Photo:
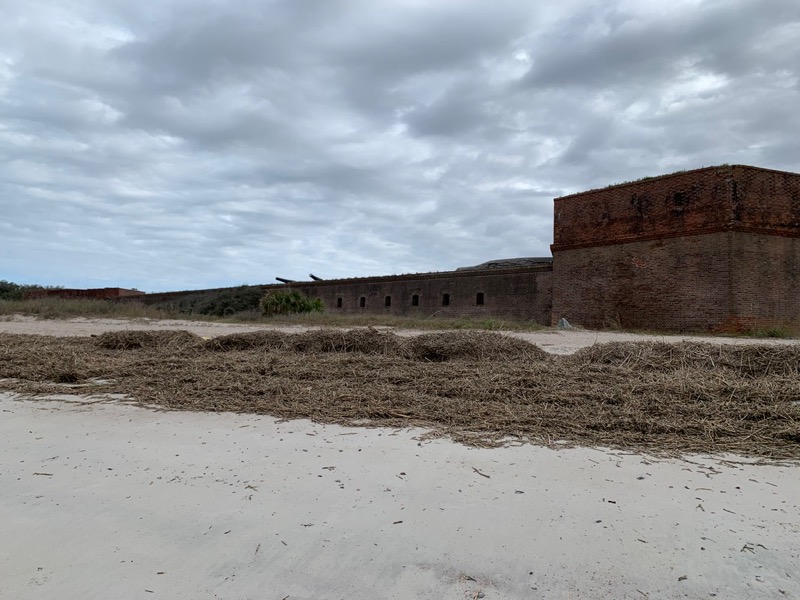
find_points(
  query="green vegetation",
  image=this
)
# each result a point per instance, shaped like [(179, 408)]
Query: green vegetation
[(774, 331), (16, 291), (216, 303), (647, 178), (289, 302)]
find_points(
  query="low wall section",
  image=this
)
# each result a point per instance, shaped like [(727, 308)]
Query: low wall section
[(522, 294), (96, 293)]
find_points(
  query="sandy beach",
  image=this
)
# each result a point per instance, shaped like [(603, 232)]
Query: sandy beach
[(102, 499)]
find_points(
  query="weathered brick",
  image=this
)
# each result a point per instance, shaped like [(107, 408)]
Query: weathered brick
[(712, 249), (522, 294)]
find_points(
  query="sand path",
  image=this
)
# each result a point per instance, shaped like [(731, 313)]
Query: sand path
[(551, 340)]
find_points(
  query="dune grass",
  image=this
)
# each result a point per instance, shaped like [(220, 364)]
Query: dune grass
[(67, 308)]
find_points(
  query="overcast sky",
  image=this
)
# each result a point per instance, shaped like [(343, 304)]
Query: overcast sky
[(176, 144)]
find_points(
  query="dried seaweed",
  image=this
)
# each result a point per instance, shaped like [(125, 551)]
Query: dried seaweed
[(475, 345), (746, 360), (477, 388), (134, 339), (264, 340)]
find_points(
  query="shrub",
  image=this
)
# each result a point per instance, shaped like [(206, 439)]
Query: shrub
[(216, 303), (10, 291), (289, 302), (15, 291)]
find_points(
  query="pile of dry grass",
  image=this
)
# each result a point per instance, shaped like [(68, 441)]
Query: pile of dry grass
[(36, 359), (745, 360), (477, 388), (365, 341), (254, 340), (134, 339), (472, 345), (431, 347)]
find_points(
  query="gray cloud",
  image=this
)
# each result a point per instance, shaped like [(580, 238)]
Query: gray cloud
[(193, 144)]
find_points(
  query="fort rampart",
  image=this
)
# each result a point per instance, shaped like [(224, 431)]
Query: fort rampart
[(713, 249), (521, 294)]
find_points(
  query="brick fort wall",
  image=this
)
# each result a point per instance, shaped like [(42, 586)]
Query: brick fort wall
[(711, 249), (765, 288), (522, 294)]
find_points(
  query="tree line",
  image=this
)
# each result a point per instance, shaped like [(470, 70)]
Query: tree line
[(16, 291)]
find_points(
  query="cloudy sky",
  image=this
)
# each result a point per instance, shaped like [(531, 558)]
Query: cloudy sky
[(176, 144)]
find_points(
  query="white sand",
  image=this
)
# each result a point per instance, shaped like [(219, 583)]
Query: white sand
[(110, 501), (83, 327)]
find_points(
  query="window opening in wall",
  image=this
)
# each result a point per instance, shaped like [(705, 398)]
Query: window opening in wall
[(362, 302), (387, 301), (679, 201), (338, 303), (445, 299), (479, 299), (415, 300)]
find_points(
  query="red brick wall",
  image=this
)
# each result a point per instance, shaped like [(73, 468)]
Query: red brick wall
[(702, 201), (711, 249), (669, 284), (765, 281), (95, 293), (517, 294), (766, 201)]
